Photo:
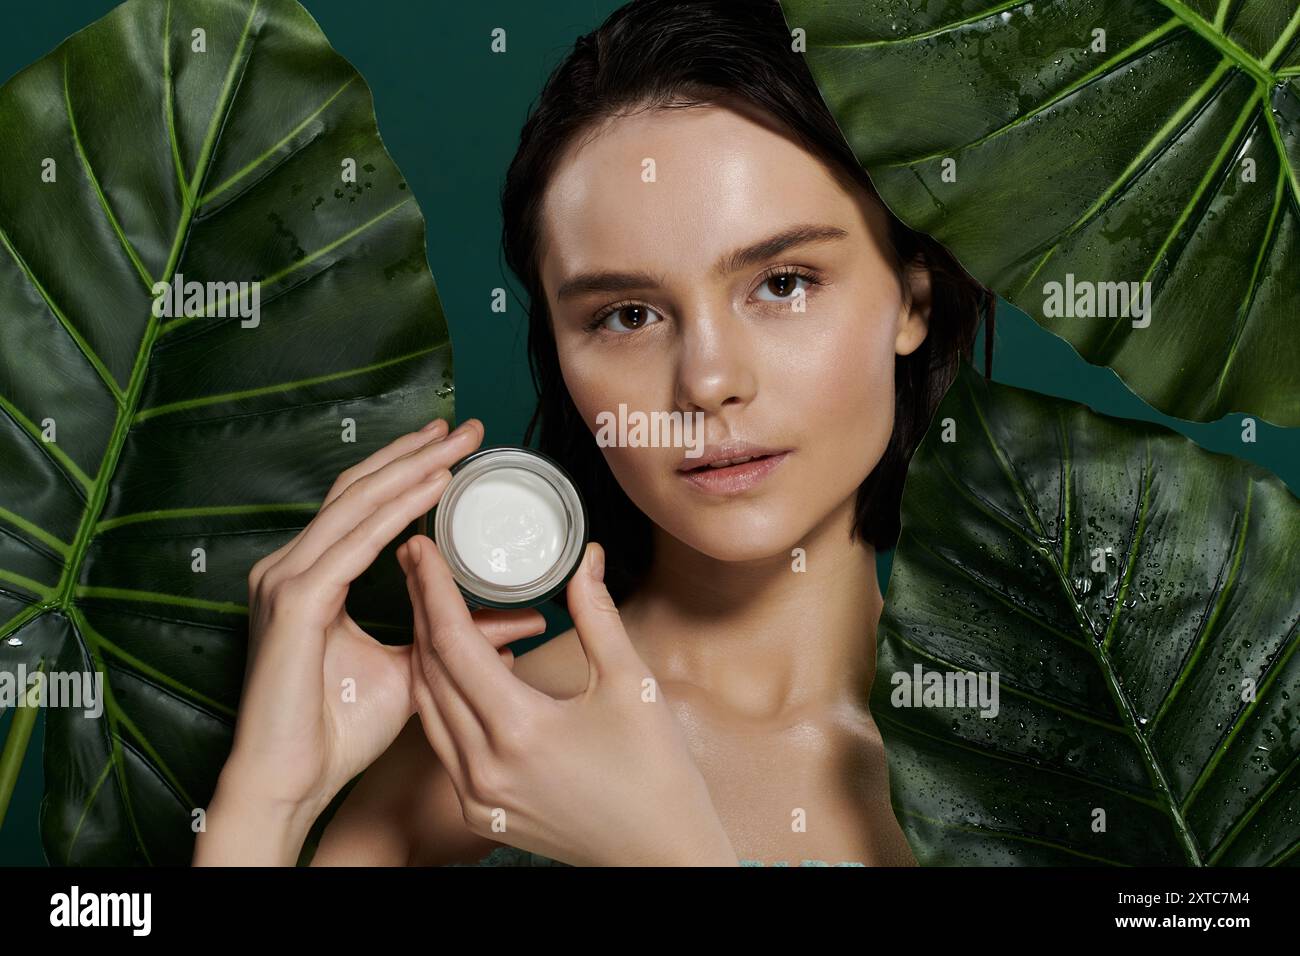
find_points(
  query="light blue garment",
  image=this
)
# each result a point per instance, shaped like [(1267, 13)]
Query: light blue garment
[(512, 856)]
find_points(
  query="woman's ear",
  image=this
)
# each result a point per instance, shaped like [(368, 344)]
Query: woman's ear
[(914, 317)]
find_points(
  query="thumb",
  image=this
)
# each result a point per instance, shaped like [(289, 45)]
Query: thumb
[(595, 616)]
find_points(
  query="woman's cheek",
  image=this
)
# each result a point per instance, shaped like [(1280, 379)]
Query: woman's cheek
[(850, 384), (591, 386), (640, 474), (602, 387)]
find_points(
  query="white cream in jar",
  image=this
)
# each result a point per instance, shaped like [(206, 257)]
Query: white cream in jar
[(511, 526)]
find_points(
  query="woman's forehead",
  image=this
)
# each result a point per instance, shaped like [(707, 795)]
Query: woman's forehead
[(677, 188)]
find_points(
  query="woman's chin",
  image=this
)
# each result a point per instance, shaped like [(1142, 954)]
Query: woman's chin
[(743, 546)]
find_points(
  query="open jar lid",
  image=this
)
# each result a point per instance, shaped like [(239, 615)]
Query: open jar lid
[(511, 526)]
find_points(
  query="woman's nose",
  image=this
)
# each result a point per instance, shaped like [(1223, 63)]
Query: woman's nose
[(715, 367)]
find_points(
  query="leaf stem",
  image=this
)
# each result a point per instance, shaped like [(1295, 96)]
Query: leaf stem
[(15, 750), (1220, 41)]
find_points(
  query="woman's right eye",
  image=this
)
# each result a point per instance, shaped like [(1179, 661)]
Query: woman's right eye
[(627, 318)]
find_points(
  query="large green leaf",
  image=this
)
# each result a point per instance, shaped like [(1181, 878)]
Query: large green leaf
[(1129, 590), (1169, 157), (184, 433)]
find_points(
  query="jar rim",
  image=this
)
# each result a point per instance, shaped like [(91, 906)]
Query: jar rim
[(479, 591)]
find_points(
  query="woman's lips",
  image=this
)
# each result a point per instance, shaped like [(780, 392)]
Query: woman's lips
[(730, 479)]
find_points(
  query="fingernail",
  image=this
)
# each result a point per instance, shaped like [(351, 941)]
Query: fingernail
[(596, 565), (415, 554), (433, 425)]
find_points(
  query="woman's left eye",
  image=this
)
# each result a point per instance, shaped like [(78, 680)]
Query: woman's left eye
[(784, 285)]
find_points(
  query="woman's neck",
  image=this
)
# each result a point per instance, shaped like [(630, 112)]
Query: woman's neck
[(765, 638)]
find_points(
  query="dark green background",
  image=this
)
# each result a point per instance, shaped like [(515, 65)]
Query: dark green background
[(450, 112)]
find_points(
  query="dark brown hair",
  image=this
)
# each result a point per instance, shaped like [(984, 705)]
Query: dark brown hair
[(654, 54)]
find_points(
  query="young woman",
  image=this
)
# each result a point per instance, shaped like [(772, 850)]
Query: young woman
[(694, 235)]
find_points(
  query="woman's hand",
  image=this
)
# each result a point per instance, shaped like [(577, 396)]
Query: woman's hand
[(322, 698), (604, 778)]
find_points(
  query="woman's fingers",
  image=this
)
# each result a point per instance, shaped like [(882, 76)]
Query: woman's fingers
[(323, 587), (315, 597), (433, 431), (495, 696), (502, 628), (596, 617), (436, 430), (449, 723), (364, 495), (505, 627)]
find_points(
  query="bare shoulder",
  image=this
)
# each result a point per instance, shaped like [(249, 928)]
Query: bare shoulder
[(404, 810)]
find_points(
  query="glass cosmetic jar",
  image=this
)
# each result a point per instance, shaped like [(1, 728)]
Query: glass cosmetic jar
[(511, 526)]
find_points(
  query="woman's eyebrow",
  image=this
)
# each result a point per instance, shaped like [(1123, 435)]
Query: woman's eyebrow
[(776, 244), (588, 282), (612, 281)]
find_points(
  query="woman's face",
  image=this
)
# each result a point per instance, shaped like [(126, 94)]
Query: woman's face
[(698, 261)]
